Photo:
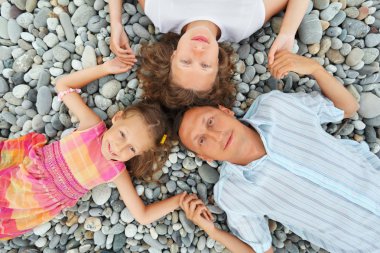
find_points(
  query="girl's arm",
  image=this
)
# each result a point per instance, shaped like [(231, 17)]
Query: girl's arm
[(142, 213), (295, 11), (198, 213), (76, 80), (330, 86)]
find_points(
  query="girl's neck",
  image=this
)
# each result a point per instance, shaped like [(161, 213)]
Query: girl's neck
[(210, 25)]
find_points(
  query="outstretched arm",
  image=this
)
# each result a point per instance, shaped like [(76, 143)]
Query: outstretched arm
[(295, 11), (198, 213), (330, 86), (119, 40), (142, 213), (76, 80)]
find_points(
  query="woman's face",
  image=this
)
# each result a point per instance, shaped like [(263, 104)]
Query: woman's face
[(194, 65)]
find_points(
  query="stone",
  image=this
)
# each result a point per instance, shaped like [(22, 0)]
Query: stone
[(330, 12), (16, 29), (369, 105), (20, 91), (140, 31), (372, 39), (44, 100), (93, 224), (40, 20), (24, 62), (310, 30), (82, 15), (321, 4), (354, 57), (130, 230), (101, 194), (370, 55), (355, 27), (65, 21), (335, 56), (42, 229), (88, 57), (96, 23), (4, 28), (110, 89), (208, 174), (25, 19)]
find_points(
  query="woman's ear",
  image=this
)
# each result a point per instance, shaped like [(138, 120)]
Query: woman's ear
[(117, 116)]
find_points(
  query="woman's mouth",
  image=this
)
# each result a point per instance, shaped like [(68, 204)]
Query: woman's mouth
[(229, 140), (200, 38)]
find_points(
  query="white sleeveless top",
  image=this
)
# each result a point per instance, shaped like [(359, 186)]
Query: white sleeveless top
[(237, 19)]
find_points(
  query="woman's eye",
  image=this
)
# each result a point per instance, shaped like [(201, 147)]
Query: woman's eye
[(205, 66), (132, 149), (122, 134), (187, 62)]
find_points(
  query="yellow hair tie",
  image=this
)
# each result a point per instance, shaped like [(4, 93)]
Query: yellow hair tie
[(163, 139)]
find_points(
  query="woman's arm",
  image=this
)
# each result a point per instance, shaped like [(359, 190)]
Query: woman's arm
[(330, 86), (142, 213), (295, 11), (76, 80), (119, 43)]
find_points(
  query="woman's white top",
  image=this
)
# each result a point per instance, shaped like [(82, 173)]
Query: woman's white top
[(237, 19)]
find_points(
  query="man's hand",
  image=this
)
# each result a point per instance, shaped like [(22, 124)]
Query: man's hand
[(285, 61), (197, 212), (282, 42), (116, 66), (120, 45)]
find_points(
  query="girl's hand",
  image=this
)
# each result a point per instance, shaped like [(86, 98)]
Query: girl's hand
[(116, 66), (282, 42), (120, 45), (285, 61), (197, 212)]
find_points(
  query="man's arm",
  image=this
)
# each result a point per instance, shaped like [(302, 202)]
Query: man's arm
[(198, 213), (330, 86)]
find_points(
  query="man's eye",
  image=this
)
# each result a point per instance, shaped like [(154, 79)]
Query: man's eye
[(210, 121), (202, 140)]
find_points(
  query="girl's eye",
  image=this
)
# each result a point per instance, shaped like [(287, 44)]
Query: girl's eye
[(205, 66), (132, 149)]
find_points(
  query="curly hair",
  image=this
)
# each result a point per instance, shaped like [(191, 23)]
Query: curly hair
[(156, 79), (145, 165)]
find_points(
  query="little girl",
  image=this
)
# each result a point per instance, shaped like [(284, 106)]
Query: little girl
[(38, 180)]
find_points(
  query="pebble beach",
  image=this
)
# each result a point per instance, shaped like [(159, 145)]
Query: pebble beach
[(42, 40)]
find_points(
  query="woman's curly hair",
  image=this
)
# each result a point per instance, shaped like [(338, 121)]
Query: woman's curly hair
[(155, 76)]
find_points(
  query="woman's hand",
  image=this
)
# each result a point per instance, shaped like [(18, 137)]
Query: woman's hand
[(285, 61), (197, 212), (282, 42), (116, 66), (120, 45)]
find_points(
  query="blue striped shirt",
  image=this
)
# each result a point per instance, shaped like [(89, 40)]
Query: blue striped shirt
[(324, 189)]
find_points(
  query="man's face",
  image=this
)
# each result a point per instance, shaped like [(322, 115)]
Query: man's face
[(213, 133)]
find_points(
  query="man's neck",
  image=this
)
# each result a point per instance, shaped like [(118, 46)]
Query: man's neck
[(254, 149)]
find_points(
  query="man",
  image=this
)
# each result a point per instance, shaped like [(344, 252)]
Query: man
[(281, 164)]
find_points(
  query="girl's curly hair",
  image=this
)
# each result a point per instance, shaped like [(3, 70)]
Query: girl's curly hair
[(145, 165), (155, 76)]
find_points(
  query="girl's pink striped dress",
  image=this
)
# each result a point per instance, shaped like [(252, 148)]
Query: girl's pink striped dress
[(37, 181)]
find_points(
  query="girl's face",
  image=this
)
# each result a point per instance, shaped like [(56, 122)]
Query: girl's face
[(194, 64), (126, 138)]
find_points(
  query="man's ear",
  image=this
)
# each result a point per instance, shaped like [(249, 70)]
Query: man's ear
[(172, 56), (117, 116), (226, 110), (205, 158)]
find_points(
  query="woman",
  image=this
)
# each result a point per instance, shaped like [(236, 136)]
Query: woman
[(193, 67)]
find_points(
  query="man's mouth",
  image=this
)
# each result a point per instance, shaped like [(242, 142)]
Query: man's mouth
[(228, 142), (200, 38)]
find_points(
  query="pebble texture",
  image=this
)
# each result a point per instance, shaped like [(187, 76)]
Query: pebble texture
[(41, 40)]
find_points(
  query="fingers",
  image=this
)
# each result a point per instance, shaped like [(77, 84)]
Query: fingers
[(271, 53)]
